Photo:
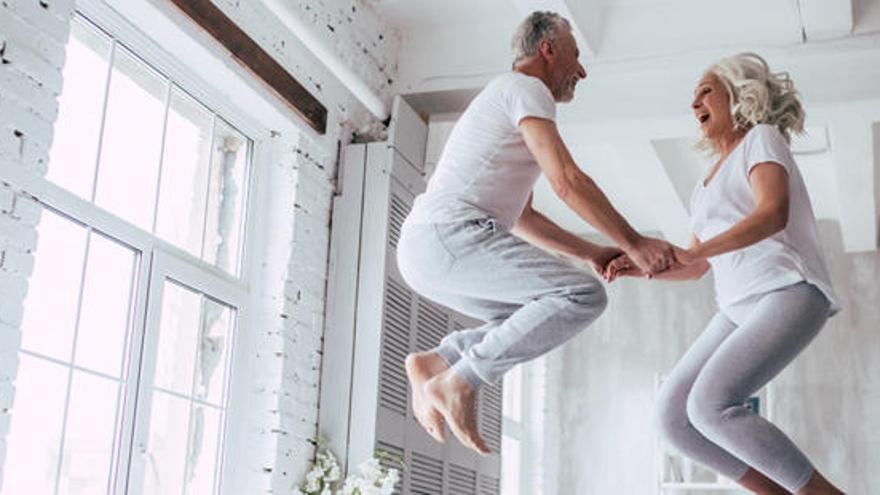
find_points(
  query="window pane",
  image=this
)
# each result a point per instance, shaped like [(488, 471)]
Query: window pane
[(201, 460), (178, 333), (510, 465), (103, 321), (88, 442), (33, 442), (226, 197), (184, 184), (212, 352), (166, 447), (131, 145), (75, 144), (513, 393), (53, 290)]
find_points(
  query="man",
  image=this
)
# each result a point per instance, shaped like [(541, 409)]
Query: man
[(474, 243)]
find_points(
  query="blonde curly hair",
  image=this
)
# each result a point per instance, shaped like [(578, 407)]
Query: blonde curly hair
[(758, 96)]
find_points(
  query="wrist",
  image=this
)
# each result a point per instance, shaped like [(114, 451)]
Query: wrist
[(696, 253), (630, 241)]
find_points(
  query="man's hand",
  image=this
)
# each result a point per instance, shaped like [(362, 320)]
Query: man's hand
[(652, 256), (602, 257)]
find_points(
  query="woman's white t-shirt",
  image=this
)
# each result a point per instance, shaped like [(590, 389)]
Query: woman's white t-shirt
[(790, 256)]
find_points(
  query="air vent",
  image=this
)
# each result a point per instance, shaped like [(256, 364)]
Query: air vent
[(462, 481), (490, 410), (431, 325), (395, 346), (391, 457), (426, 475), (397, 214), (489, 485)]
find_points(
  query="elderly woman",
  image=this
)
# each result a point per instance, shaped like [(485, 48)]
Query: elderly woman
[(755, 228)]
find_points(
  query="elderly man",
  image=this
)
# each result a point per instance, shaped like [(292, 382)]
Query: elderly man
[(474, 243)]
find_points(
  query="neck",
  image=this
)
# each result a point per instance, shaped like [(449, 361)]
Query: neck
[(726, 143), (534, 67)]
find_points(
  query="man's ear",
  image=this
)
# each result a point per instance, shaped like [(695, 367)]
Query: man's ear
[(546, 49)]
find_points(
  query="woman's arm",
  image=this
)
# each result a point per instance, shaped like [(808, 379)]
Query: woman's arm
[(769, 183)]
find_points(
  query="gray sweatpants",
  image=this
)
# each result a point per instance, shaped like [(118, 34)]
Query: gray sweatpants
[(530, 300), (701, 411)]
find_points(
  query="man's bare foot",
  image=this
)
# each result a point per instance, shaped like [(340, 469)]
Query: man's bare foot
[(421, 367), (457, 401)]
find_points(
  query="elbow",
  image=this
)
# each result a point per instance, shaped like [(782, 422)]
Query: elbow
[(562, 188), (566, 184), (778, 220)]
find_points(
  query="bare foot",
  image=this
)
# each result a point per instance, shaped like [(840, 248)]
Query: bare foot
[(457, 402), (421, 367)]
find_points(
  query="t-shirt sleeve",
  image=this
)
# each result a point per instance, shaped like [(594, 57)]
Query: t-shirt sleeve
[(767, 145), (530, 98)]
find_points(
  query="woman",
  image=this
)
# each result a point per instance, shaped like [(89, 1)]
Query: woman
[(755, 228)]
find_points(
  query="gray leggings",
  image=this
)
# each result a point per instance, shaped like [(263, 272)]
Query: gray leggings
[(700, 407)]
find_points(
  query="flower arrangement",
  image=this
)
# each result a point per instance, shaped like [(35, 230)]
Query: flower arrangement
[(372, 478)]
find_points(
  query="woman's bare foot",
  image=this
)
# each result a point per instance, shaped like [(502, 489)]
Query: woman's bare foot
[(421, 367), (457, 402), (818, 485)]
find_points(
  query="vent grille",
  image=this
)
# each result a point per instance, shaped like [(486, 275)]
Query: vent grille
[(426, 476), (431, 325), (462, 481), (391, 457), (490, 418), (397, 214), (489, 485), (395, 345)]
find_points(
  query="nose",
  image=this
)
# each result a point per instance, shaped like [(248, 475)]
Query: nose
[(696, 103), (582, 72)]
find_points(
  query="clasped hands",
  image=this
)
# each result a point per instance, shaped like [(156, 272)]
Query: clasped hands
[(648, 257)]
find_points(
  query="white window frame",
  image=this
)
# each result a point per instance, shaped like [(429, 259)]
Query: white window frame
[(156, 256)]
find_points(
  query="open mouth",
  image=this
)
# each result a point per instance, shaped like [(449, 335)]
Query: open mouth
[(703, 118)]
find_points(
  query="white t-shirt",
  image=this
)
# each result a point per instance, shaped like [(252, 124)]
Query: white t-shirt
[(785, 258), (486, 168)]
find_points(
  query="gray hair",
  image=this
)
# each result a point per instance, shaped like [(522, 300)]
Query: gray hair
[(758, 96), (537, 27)]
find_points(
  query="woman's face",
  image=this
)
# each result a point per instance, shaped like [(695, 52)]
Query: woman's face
[(711, 107)]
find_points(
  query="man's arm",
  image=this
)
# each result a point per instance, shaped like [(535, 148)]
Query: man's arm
[(582, 195), (539, 230)]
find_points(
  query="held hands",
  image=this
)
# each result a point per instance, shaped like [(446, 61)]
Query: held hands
[(652, 256), (624, 266)]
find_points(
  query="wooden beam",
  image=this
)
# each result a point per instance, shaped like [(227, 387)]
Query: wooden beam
[(250, 55)]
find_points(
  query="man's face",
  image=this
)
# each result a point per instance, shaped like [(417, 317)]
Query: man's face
[(565, 70)]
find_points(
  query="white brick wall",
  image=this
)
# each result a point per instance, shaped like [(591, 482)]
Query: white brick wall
[(32, 38), (33, 34)]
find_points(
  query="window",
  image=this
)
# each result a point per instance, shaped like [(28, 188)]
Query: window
[(137, 292), (132, 142), (512, 432)]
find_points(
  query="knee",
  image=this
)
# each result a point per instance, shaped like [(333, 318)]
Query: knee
[(703, 411), (670, 417), (590, 299)]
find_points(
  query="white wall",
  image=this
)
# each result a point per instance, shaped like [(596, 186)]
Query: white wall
[(601, 383), (32, 39)]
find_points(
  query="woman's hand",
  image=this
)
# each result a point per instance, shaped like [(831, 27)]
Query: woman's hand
[(601, 257), (622, 266)]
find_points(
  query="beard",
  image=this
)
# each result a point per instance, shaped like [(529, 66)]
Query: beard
[(565, 93)]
